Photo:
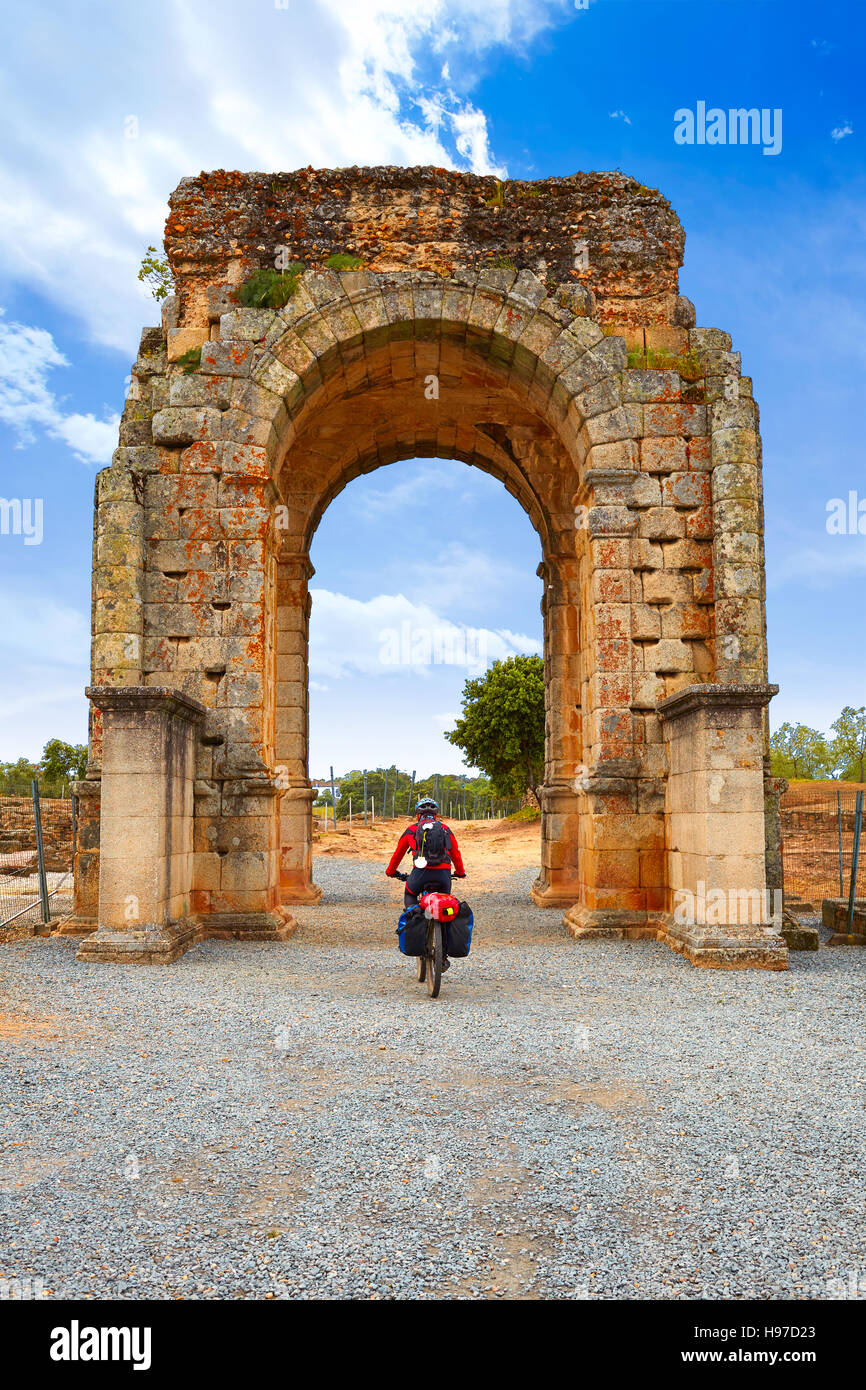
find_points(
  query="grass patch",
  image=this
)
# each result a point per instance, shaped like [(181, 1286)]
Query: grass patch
[(341, 260), (526, 813), (190, 361), (269, 288), (687, 364), (502, 263)]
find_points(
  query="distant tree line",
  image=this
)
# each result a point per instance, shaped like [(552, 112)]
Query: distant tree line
[(804, 754), (500, 731), (454, 793), (60, 764)]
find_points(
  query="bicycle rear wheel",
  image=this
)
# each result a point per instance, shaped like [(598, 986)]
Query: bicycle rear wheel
[(434, 959)]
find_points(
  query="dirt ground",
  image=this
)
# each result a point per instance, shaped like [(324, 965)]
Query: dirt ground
[(487, 847)]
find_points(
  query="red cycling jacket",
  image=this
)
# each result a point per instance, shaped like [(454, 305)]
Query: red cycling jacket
[(406, 844)]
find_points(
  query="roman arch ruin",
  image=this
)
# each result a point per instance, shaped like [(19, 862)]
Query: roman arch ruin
[(568, 366)]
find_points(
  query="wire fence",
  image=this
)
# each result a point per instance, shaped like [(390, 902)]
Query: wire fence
[(818, 838), (36, 843), (373, 796)]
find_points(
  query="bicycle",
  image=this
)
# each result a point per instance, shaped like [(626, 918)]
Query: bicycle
[(430, 964)]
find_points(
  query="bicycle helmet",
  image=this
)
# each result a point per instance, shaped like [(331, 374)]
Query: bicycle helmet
[(426, 804)]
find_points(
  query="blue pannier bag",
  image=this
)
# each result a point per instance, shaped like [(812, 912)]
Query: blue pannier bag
[(412, 931), (458, 933)]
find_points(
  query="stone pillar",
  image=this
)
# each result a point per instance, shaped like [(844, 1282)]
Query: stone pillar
[(84, 918), (619, 825), (291, 739), (720, 914), (146, 836), (558, 884)]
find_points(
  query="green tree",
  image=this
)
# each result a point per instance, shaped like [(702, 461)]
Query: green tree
[(501, 729), (63, 762), (801, 753), (849, 745), (15, 778), (156, 272)]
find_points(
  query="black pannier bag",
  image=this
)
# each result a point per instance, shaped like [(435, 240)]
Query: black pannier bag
[(412, 931), (458, 932)]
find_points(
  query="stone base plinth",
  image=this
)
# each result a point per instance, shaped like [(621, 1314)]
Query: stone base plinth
[(834, 916), (727, 948), (164, 945), (142, 945), (554, 894), (712, 948), (74, 926), (600, 924), (797, 936), (276, 925), (307, 895)]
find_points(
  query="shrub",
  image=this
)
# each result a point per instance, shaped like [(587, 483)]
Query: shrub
[(342, 260), (156, 272), (269, 288)]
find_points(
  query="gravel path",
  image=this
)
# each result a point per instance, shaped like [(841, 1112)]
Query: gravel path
[(566, 1121)]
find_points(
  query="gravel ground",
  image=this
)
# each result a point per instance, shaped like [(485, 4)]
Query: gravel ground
[(566, 1120)]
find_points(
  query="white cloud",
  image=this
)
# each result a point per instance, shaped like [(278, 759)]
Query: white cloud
[(840, 131), (614, 115), (215, 85), (64, 632), (27, 355), (39, 701), (470, 127), (390, 635)]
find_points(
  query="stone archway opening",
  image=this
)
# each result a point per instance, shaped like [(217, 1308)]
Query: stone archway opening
[(443, 568), (411, 397), (564, 363)]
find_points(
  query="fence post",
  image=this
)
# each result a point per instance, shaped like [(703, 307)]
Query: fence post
[(334, 797), (411, 790), (365, 796), (855, 855), (372, 810), (839, 821), (40, 853), (385, 797), (350, 813)]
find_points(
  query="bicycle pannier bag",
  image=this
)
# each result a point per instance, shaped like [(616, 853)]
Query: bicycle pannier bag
[(458, 932), (412, 932)]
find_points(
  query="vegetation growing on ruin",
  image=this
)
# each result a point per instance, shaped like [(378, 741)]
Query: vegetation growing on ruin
[(269, 288), (498, 198), (156, 273), (342, 260), (688, 364), (190, 361)]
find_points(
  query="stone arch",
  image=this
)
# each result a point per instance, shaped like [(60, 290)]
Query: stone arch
[(520, 380), (644, 488)]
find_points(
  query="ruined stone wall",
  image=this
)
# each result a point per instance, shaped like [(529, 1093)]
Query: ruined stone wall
[(223, 225)]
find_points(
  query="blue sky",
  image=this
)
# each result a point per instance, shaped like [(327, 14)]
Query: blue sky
[(775, 254)]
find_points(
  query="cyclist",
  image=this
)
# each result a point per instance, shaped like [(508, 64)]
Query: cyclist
[(431, 839)]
